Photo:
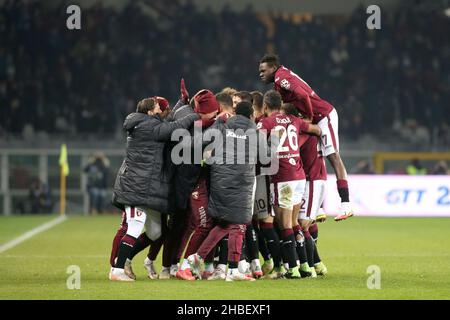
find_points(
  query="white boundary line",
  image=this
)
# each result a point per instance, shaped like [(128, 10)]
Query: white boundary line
[(27, 235)]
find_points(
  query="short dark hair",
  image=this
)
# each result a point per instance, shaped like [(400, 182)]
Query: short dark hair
[(146, 105), (245, 96), (257, 99), (272, 99), (225, 99), (271, 59), (244, 108), (290, 109)]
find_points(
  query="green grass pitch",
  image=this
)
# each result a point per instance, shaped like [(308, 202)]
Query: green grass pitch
[(413, 255)]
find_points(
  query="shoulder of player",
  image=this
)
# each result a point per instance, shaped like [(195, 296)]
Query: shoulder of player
[(284, 78)]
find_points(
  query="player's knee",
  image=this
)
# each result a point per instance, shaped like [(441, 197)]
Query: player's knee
[(300, 237), (154, 231)]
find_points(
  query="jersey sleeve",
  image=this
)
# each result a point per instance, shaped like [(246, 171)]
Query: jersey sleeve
[(302, 126), (292, 84)]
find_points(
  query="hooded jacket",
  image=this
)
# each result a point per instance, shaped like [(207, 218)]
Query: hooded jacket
[(145, 175), (232, 183)]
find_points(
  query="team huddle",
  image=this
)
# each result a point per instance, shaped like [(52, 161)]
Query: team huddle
[(216, 211)]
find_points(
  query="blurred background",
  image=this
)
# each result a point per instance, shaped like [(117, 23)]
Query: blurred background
[(391, 86)]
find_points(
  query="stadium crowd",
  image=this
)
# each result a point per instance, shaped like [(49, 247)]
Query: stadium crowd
[(75, 82)]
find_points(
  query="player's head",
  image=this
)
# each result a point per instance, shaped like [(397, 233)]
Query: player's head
[(148, 106), (245, 109), (257, 101), (229, 90), (241, 96), (225, 101), (290, 109), (205, 104), (272, 101), (268, 65), (164, 106)]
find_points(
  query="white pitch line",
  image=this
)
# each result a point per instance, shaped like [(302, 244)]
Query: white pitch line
[(27, 235)]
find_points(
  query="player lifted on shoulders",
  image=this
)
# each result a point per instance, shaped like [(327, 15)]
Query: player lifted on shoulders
[(295, 90)]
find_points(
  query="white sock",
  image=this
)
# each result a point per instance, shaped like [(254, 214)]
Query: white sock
[(233, 270), (222, 267), (185, 265), (209, 267), (242, 266), (255, 263), (165, 269), (118, 271)]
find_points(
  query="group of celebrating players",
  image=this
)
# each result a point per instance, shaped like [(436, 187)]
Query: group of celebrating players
[(214, 219)]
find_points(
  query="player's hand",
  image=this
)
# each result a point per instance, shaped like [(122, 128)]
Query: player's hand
[(184, 92)]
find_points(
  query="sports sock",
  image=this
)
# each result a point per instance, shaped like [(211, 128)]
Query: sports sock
[(309, 243), (273, 242), (125, 248), (288, 248), (223, 254), (342, 186), (141, 243), (300, 244), (251, 241)]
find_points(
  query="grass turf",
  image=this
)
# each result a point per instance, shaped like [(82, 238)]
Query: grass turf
[(413, 255)]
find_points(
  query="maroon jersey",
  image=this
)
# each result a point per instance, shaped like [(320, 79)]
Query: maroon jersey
[(313, 162), (295, 90), (288, 152), (258, 119)]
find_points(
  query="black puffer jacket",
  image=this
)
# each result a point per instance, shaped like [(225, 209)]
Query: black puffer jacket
[(185, 175), (231, 185), (144, 177)]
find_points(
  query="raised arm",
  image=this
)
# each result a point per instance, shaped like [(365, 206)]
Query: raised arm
[(164, 130)]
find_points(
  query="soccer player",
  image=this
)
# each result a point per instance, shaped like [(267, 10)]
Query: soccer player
[(143, 241), (231, 190), (141, 188), (241, 96), (316, 176), (288, 184), (258, 105), (295, 90), (198, 221)]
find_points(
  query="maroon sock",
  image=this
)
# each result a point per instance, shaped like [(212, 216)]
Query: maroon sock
[(342, 186), (314, 231), (309, 244), (155, 247), (116, 241)]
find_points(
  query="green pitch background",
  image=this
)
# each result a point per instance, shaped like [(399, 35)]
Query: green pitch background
[(413, 255)]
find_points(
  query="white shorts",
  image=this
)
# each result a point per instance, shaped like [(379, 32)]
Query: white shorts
[(261, 204), (287, 194), (330, 138), (312, 199), (140, 217)]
